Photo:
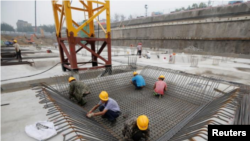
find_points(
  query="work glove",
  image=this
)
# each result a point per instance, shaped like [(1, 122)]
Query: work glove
[(90, 115)]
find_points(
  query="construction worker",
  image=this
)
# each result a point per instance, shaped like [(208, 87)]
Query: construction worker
[(18, 51), (78, 90), (136, 129), (108, 108), (148, 55), (160, 86), (139, 49), (138, 81)]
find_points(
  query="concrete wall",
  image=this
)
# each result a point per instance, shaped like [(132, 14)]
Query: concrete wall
[(158, 36), (233, 10)]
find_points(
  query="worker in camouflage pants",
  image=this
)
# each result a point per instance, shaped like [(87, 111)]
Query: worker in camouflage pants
[(136, 129), (78, 90)]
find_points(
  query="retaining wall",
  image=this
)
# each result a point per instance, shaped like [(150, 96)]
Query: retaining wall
[(218, 30)]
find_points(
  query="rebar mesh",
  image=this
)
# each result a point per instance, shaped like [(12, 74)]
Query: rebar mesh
[(61, 82), (214, 113), (139, 102), (132, 60), (186, 97), (189, 87), (185, 94), (242, 114), (70, 118)]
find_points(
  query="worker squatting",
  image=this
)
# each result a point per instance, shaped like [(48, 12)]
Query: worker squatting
[(136, 128)]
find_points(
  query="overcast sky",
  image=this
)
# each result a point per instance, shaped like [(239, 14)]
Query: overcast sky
[(11, 11)]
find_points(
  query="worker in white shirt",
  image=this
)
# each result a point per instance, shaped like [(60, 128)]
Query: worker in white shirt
[(18, 51), (139, 49), (148, 55)]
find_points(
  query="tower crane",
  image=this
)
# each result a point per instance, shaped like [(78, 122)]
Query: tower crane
[(68, 56)]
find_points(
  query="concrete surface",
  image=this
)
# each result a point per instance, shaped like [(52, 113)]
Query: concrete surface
[(23, 109)]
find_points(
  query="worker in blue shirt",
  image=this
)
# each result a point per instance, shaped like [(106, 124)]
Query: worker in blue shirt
[(138, 81)]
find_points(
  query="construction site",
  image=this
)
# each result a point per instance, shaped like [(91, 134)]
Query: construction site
[(203, 54)]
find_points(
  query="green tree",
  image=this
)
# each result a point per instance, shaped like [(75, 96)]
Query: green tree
[(48, 28), (117, 17), (178, 9), (25, 29), (194, 6), (6, 27), (123, 17), (130, 17), (202, 5)]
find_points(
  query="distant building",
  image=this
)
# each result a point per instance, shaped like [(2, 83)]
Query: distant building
[(139, 16), (157, 13), (21, 24), (235, 1), (103, 22)]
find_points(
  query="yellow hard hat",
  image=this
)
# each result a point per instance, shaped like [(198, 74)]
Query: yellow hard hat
[(15, 41), (104, 96), (135, 73), (162, 76), (71, 78), (142, 122)]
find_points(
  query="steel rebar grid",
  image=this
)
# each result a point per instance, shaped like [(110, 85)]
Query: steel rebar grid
[(188, 91), (61, 82), (188, 87), (242, 115), (186, 95), (69, 112), (211, 114)]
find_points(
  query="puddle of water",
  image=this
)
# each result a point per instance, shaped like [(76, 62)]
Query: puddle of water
[(243, 69), (209, 73)]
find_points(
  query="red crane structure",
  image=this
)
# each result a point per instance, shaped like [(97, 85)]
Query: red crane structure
[(68, 56)]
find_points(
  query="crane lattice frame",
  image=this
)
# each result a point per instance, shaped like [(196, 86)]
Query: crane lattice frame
[(64, 11)]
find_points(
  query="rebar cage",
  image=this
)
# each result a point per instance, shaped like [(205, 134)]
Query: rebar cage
[(187, 102)]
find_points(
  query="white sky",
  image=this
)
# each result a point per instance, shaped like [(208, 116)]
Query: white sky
[(11, 11)]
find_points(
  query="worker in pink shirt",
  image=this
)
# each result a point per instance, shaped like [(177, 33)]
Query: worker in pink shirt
[(160, 86)]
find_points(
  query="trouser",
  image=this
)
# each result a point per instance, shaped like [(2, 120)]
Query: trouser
[(157, 95), (81, 100), (135, 84), (18, 55), (139, 52), (110, 115)]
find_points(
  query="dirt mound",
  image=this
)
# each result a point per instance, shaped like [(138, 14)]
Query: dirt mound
[(23, 40)]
